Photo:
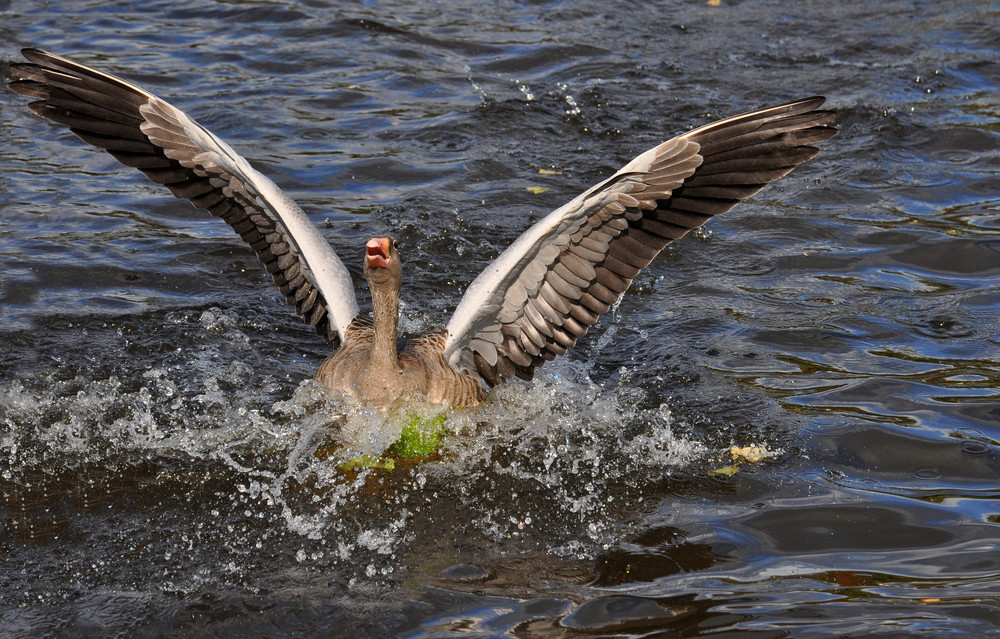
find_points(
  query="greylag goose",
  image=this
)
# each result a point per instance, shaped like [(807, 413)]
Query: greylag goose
[(532, 303)]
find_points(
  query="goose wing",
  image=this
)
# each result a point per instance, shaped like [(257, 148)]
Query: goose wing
[(550, 286), (142, 131)]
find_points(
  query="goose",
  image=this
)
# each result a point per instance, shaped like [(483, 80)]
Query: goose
[(531, 304)]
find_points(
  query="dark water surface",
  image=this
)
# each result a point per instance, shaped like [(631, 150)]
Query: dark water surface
[(166, 469)]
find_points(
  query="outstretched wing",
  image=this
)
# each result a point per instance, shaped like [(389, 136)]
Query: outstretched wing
[(142, 131), (550, 286)]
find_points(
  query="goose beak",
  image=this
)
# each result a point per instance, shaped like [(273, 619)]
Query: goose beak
[(377, 253)]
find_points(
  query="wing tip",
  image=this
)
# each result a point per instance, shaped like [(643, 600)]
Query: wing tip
[(41, 56)]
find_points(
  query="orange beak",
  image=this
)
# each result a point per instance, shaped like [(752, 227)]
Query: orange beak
[(377, 253)]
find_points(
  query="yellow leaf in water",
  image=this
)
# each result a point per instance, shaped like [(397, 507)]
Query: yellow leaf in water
[(536, 189), (725, 470), (549, 172), (751, 454), (714, 3)]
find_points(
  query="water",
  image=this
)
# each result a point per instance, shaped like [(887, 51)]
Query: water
[(166, 469)]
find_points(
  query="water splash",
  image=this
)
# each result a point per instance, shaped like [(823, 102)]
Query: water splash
[(548, 464)]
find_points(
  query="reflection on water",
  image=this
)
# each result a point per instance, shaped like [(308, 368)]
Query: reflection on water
[(166, 468)]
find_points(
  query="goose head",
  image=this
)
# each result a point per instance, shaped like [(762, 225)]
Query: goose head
[(382, 267)]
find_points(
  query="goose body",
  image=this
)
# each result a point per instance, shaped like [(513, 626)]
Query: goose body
[(370, 366), (532, 303)]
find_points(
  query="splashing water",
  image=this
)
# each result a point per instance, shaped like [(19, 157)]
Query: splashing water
[(546, 463)]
